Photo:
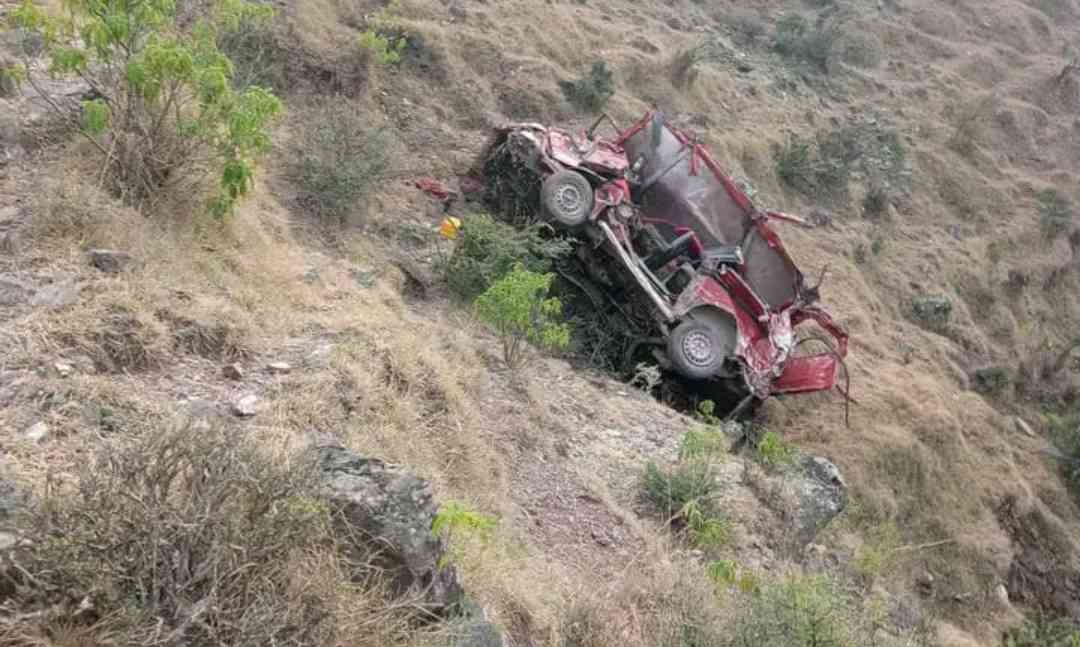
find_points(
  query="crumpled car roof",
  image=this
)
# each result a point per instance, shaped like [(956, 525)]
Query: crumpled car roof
[(689, 190)]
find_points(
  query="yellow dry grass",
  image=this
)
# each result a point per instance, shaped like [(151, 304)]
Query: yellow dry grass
[(412, 385)]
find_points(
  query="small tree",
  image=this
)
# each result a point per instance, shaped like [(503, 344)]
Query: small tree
[(160, 104), (593, 91), (518, 309)]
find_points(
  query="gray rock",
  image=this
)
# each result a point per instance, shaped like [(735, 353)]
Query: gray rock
[(57, 295), (37, 432), (246, 405), (279, 368), (806, 497), (14, 291), (63, 369), (203, 414), (12, 503), (233, 371), (457, 12), (109, 261), (387, 512)]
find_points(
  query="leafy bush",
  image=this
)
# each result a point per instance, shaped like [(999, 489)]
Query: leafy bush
[(747, 28), (385, 39), (933, 312), (992, 379), (772, 451), (684, 65), (593, 91), (1055, 213), (11, 75), (337, 160), (456, 520), (807, 611), (518, 308), (820, 169), (795, 38), (670, 491), (185, 536), (1043, 632), (683, 493), (164, 108), (1065, 430), (487, 250)]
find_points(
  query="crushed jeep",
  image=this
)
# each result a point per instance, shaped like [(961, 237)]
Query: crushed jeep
[(658, 219)]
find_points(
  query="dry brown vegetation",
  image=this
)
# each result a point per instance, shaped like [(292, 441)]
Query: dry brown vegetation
[(982, 101)]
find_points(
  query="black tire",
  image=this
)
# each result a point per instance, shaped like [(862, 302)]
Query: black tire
[(700, 345), (567, 198)]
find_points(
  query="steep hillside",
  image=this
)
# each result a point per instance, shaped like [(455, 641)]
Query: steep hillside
[(935, 146)]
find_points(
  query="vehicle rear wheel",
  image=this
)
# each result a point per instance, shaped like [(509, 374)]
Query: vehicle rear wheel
[(700, 345), (567, 198)]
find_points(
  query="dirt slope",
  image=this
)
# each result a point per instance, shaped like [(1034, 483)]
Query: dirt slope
[(970, 90)]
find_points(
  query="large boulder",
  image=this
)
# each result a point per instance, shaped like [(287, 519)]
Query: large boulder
[(389, 512), (806, 497)]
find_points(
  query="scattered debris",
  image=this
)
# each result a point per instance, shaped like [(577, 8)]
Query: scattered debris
[(387, 512), (233, 372), (246, 406), (279, 368), (109, 261), (924, 583), (37, 432), (1023, 427)]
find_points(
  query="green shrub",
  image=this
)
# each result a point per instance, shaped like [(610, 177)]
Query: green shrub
[(518, 308), (11, 76), (876, 202), (747, 28), (593, 91), (670, 491), (1043, 632), (337, 160), (772, 451), (806, 611), (796, 39), (682, 495), (1055, 213), (702, 442), (933, 312), (818, 168), (1065, 431), (456, 521), (486, 250), (991, 380), (385, 38), (164, 108)]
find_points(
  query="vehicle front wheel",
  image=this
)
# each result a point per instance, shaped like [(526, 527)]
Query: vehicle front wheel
[(699, 346), (567, 198)]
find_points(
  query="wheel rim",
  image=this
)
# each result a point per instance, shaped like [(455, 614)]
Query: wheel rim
[(699, 349), (568, 199)]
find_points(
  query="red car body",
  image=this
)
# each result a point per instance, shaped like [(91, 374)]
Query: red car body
[(657, 176)]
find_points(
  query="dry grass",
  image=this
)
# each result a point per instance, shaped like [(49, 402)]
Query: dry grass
[(413, 385)]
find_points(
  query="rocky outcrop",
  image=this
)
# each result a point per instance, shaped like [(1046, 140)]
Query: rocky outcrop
[(806, 497), (389, 512), (109, 261)]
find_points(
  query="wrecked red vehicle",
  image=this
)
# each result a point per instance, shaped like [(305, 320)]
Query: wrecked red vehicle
[(656, 209)]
